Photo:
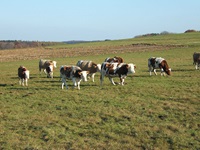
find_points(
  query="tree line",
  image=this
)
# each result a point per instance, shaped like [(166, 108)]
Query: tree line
[(16, 44)]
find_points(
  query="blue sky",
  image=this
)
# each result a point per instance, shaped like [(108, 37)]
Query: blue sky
[(63, 20)]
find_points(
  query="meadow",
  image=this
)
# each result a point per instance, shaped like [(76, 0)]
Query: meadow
[(148, 112)]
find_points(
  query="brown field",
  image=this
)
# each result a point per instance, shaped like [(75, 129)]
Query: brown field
[(41, 52)]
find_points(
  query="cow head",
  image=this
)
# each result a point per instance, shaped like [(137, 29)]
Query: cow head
[(54, 64), (168, 71), (131, 68), (98, 67), (83, 75), (49, 70), (165, 67)]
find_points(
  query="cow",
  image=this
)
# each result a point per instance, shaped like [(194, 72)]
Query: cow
[(158, 63), (73, 73), (114, 59), (47, 66), (196, 60), (89, 66), (49, 70), (115, 69), (23, 75)]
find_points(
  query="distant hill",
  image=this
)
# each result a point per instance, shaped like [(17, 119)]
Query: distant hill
[(79, 41)]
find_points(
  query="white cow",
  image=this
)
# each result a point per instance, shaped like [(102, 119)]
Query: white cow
[(89, 66), (47, 66), (73, 73), (115, 69), (158, 63), (23, 75)]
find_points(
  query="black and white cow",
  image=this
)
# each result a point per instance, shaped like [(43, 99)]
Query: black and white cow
[(196, 60), (158, 63), (73, 73), (89, 66), (23, 75), (115, 69)]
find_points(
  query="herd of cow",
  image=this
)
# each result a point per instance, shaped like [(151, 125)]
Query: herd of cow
[(110, 68)]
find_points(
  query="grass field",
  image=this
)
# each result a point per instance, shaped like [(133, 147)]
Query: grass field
[(146, 113)]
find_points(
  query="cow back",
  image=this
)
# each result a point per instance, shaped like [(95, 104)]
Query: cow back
[(114, 59), (89, 66), (66, 70)]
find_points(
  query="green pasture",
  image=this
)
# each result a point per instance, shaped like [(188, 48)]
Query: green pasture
[(186, 39), (157, 112)]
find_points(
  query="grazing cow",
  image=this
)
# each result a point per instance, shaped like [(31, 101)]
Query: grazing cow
[(89, 66), (158, 63), (196, 60), (23, 75), (115, 69), (47, 66), (114, 59), (73, 73)]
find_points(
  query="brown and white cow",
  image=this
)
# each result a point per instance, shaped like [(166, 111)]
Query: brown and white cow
[(158, 63), (196, 60), (115, 69), (23, 75), (89, 66), (73, 73), (47, 66), (114, 59)]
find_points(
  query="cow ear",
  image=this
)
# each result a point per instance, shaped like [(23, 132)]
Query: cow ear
[(127, 66), (80, 73)]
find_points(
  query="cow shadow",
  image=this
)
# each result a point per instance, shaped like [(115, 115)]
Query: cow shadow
[(183, 70), (47, 81), (30, 88)]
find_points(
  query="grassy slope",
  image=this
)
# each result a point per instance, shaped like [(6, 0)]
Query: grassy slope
[(147, 113)]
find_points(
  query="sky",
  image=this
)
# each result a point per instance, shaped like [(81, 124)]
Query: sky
[(65, 20)]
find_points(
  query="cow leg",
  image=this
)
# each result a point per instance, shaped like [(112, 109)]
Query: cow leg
[(92, 76), (102, 78), (40, 70), (122, 79), (162, 72), (196, 66), (64, 83), (74, 82), (78, 83), (20, 81), (150, 70), (154, 70), (45, 71), (111, 80), (26, 82)]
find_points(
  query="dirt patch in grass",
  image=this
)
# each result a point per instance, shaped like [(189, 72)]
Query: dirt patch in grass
[(41, 52)]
